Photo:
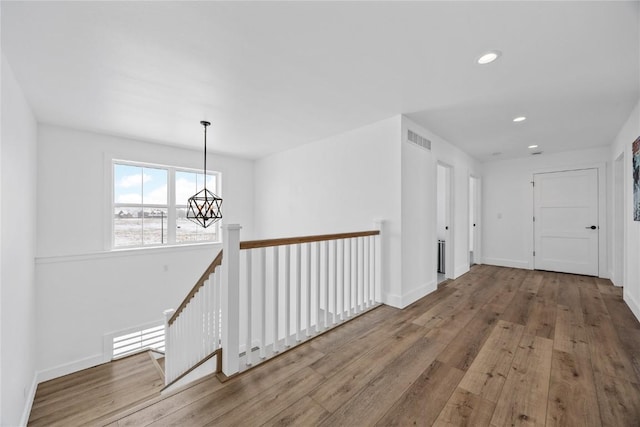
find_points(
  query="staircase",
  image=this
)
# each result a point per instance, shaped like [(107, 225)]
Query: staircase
[(259, 299)]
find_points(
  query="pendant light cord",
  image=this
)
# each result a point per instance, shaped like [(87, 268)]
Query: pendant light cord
[(205, 158)]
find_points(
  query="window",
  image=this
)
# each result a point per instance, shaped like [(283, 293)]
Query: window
[(150, 205), (188, 184)]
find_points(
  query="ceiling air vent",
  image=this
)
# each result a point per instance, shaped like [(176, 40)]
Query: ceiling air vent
[(419, 140)]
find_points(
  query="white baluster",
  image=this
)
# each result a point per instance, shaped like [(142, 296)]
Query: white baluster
[(342, 280), (326, 284), (365, 266), (206, 337), (167, 339), (372, 266), (308, 283), (367, 269), (249, 323), (216, 309), (347, 277), (201, 311), (361, 281), (276, 265), (379, 271), (334, 246), (317, 290), (298, 291), (263, 297), (287, 294)]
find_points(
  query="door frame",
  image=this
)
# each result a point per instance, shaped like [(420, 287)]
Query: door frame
[(449, 216), (477, 242), (603, 219)]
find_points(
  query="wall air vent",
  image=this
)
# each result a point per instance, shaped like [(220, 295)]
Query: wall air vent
[(419, 140)]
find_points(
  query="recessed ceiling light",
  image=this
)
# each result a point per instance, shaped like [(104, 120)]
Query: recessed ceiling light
[(520, 119), (489, 57), (533, 146)]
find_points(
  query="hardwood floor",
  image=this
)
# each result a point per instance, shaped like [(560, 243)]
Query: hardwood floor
[(498, 346), (95, 394)]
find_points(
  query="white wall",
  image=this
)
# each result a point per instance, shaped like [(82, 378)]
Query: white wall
[(419, 211), (17, 252), (622, 144), (85, 292), (507, 205), (344, 182), (73, 178), (338, 184)]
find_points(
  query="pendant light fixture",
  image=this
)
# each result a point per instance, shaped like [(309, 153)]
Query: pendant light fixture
[(204, 207)]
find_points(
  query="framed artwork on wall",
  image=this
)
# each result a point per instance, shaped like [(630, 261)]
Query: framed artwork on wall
[(635, 158)]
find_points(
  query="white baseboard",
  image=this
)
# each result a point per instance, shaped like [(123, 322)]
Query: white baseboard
[(29, 402), (392, 300), (632, 303), (69, 368), (402, 301), (503, 262), (460, 271)]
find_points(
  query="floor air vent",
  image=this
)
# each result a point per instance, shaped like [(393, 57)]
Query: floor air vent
[(149, 338), (419, 140)]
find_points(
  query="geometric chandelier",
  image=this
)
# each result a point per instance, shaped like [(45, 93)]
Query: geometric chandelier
[(204, 207)]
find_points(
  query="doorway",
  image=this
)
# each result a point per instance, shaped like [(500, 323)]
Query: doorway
[(444, 232), (566, 229), (474, 220)]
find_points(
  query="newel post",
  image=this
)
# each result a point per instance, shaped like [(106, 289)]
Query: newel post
[(168, 349), (379, 250), (230, 301)]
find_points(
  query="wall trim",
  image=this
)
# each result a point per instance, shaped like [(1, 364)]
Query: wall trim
[(121, 253), (502, 262), (460, 271), (29, 402), (69, 368), (632, 303), (393, 300), (402, 301)]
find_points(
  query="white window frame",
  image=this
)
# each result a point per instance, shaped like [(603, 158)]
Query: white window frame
[(171, 205)]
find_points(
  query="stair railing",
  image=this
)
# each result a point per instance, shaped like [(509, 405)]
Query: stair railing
[(270, 295), (192, 331)]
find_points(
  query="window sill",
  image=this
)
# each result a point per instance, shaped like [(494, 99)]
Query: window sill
[(126, 252)]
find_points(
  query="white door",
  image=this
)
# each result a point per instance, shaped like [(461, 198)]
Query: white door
[(566, 221)]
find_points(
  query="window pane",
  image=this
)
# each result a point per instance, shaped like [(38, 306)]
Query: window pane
[(154, 186), (127, 184), (127, 226), (186, 186), (188, 231), (154, 226)]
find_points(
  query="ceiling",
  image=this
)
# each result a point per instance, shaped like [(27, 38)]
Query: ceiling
[(274, 75)]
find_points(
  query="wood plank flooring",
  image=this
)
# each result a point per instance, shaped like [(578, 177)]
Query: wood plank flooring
[(498, 346)]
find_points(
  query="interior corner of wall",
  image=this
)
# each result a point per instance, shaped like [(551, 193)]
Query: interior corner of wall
[(632, 303), (392, 300), (68, 368), (26, 412)]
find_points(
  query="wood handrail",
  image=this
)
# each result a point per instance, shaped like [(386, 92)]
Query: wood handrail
[(215, 263), (254, 244)]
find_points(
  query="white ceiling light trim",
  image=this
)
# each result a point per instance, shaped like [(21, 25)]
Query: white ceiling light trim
[(519, 119), (488, 57)]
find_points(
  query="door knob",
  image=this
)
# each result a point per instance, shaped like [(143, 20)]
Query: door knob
[(593, 227)]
